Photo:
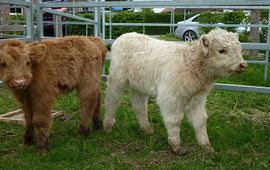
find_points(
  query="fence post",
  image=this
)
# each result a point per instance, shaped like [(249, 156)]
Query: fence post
[(97, 21), (39, 29), (103, 22), (110, 20), (29, 21), (267, 51)]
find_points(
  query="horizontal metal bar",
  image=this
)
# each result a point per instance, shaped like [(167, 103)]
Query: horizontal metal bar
[(15, 2), (69, 23), (26, 39), (109, 41), (222, 7), (164, 4), (5, 28), (255, 62), (68, 15), (244, 88), (255, 46), (198, 25)]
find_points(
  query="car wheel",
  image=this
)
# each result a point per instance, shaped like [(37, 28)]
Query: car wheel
[(190, 36)]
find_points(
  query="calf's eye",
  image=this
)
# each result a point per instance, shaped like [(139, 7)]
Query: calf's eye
[(2, 65), (29, 63), (223, 51)]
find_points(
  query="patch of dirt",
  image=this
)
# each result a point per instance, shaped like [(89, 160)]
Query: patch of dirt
[(134, 155), (258, 116), (255, 115)]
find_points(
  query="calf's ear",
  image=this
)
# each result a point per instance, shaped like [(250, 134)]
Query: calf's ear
[(204, 41), (16, 43), (38, 52)]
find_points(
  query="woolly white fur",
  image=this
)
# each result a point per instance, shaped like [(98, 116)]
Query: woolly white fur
[(180, 76)]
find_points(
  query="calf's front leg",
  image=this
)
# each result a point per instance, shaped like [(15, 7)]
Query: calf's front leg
[(197, 117), (42, 120), (29, 131)]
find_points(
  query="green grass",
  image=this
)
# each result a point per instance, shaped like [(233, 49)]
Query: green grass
[(238, 128)]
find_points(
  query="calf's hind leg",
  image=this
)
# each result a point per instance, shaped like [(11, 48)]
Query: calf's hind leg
[(139, 102), (88, 101), (96, 117), (113, 96)]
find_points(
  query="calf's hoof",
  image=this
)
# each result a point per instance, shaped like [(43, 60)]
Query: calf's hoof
[(108, 126), (43, 150), (209, 148), (83, 131), (181, 151), (28, 142), (148, 131), (97, 125)]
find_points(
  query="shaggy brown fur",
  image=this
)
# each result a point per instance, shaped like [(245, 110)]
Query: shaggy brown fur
[(38, 72)]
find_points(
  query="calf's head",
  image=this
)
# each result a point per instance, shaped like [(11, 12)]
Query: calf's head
[(17, 60), (222, 50)]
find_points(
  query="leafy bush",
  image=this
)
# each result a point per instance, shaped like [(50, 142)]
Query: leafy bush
[(80, 29), (235, 17), (126, 17), (19, 19), (147, 16)]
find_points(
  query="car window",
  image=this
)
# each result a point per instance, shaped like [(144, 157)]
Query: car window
[(195, 19)]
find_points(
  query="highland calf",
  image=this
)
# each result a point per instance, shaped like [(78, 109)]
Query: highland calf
[(38, 72), (180, 76)]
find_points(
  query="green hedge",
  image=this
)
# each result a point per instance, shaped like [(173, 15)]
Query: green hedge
[(130, 17), (235, 17)]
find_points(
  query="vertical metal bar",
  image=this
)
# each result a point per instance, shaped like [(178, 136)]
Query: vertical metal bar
[(185, 14), (99, 20), (96, 21), (170, 21), (56, 25), (86, 29), (73, 9), (267, 51), (173, 19), (103, 22), (29, 20), (110, 16), (103, 32), (39, 20)]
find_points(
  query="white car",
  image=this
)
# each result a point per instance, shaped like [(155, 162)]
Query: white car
[(186, 32), (191, 32)]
